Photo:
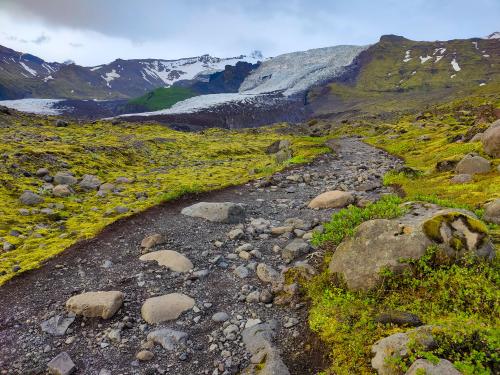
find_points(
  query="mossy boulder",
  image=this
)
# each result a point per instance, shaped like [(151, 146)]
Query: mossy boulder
[(386, 245), (492, 211)]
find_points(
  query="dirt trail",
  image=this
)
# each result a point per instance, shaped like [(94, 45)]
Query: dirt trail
[(111, 262)]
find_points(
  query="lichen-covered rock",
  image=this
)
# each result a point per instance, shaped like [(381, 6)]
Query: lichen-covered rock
[(492, 211), (385, 244), (461, 179), (424, 367), (491, 140), (96, 304), (295, 249), (332, 199), (278, 146), (30, 199), (473, 164), (167, 307), (222, 212)]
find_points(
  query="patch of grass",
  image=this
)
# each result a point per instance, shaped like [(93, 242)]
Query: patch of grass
[(344, 222), (163, 164), (162, 98)]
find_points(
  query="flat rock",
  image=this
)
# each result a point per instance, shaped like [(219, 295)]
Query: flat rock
[(462, 178), (96, 304), (90, 182), (221, 212), (295, 249), (332, 199), (62, 191), (57, 325), (166, 307), (61, 365), (170, 259), (64, 178), (168, 338)]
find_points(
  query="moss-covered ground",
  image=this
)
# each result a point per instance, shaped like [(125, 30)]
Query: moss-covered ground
[(462, 299), (162, 164), (161, 98)]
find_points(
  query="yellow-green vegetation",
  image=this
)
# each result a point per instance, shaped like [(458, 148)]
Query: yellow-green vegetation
[(462, 299), (162, 164)]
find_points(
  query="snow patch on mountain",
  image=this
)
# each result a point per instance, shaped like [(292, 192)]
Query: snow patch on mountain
[(28, 69), (423, 59), (36, 106), (495, 35), (108, 77), (455, 65), (295, 72)]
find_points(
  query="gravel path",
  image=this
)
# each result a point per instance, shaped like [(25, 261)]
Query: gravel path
[(111, 262)]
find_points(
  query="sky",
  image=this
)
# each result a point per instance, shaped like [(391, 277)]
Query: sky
[(93, 32)]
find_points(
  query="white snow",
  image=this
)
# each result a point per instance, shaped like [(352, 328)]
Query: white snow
[(482, 84), (38, 106), (453, 76), (295, 72), (455, 65), (48, 78), (423, 59), (108, 77), (475, 45), (486, 55), (438, 58), (95, 68), (48, 68), (28, 69), (407, 56)]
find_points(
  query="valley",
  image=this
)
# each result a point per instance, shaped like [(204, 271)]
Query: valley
[(328, 211)]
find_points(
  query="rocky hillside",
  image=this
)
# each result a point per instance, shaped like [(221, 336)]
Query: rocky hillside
[(398, 73), (26, 76)]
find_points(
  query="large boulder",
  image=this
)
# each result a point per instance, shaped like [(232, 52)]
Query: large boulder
[(332, 199), (96, 304), (278, 146), (62, 191), (222, 212), (385, 244), (30, 199), (169, 259), (491, 140), (472, 164), (166, 307), (492, 211)]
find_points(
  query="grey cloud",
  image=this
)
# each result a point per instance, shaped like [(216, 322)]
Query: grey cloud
[(41, 39)]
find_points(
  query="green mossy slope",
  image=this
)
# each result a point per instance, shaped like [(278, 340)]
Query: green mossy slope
[(161, 98), (162, 163)]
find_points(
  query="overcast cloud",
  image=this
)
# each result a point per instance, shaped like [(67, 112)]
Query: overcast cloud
[(92, 32)]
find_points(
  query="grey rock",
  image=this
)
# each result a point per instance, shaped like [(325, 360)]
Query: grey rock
[(64, 178), (268, 274), (461, 178), (242, 272), (220, 317), (57, 325), (90, 182), (492, 211), (222, 212), (168, 338), (61, 365), (295, 249), (30, 199), (472, 164), (491, 140), (42, 172), (400, 318), (423, 366)]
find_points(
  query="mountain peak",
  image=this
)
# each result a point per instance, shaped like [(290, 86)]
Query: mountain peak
[(392, 38), (494, 35)]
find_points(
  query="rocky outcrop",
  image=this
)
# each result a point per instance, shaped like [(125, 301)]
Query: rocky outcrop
[(423, 366), (383, 244), (492, 211)]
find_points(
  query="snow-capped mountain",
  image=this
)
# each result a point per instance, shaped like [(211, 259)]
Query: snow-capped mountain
[(495, 35), (24, 75)]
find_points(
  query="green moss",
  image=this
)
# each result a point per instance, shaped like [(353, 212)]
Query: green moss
[(161, 98), (163, 164)]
